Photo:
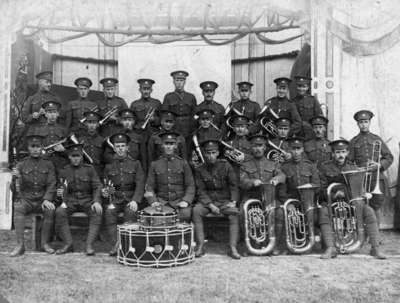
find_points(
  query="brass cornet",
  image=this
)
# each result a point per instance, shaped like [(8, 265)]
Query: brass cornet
[(75, 140), (233, 153), (93, 109), (148, 117), (108, 115)]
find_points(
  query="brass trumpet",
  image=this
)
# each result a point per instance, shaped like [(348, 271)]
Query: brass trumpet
[(49, 148), (108, 115), (93, 109), (148, 117)]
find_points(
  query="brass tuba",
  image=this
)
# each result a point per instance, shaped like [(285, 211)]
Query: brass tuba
[(299, 220), (259, 222), (346, 219)]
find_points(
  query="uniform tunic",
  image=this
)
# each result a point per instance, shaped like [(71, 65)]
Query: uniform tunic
[(74, 113), (155, 150), (93, 144), (141, 107), (318, 150)]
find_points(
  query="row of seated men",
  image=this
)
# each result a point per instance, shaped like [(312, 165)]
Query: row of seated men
[(170, 181)]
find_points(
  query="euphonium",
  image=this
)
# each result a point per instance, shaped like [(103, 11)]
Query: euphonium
[(259, 222), (299, 220), (276, 153)]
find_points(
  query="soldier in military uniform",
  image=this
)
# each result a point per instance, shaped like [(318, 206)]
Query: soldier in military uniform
[(318, 149), (52, 132), (110, 102), (217, 192), (32, 111), (361, 150), (126, 188), (257, 171), (331, 172), (143, 106), (182, 103), (208, 90), (170, 181), (283, 126), (76, 108), (137, 145), (82, 193), (307, 105), (282, 106), (299, 171), (93, 142), (154, 146), (34, 186)]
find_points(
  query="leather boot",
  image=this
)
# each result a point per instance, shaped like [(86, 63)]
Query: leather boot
[(65, 249), (199, 233), (233, 253), (92, 235), (48, 249), (65, 234), (329, 253), (114, 250), (19, 250), (47, 228), (377, 253), (19, 223)]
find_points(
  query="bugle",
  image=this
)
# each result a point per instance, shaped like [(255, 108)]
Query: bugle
[(49, 148), (108, 115)]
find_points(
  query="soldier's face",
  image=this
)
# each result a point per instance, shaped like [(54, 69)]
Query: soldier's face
[(282, 91), (241, 130), (205, 122), (302, 88), (244, 93), (83, 91), (258, 150), (297, 153), (167, 124), (51, 115), (75, 159), (179, 83), (121, 149), (363, 125), (340, 156), (109, 91), (211, 156), (283, 131), (92, 125), (319, 130), (35, 150), (169, 147), (145, 91), (208, 94), (44, 85), (128, 123)]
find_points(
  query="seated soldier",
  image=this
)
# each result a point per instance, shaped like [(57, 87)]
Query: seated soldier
[(124, 187), (82, 193), (331, 172), (170, 180), (217, 192), (259, 170), (34, 185)]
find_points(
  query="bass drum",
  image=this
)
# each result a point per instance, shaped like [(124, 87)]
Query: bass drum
[(155, 248)]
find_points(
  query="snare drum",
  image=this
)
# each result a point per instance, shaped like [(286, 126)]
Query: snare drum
[(155, 248), (161, 217)]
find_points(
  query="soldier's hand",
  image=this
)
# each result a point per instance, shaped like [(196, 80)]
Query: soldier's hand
[(231, 204), (133, 206), (104, 192), (155, 204), (291, 208), (111, 206), (36, 115), (287, 156), (239, 158), (214, 209), (60, 192), (274, 182), (63, 205), (339, 195), (59, 148), (48, 205), (96, 207), (373, 166), (257, 182), (183, 204)]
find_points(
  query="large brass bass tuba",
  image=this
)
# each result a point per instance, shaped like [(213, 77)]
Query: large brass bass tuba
[(342, 206), (259, 222), (299, 220)]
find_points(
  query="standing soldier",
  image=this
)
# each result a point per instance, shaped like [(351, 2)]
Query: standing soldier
[(110, 105), (217, 192), (362, 149), (182, 103), (53, 132), (82, 193), (92, 141), (32, 112), (126, 179), (146, 107), (259, 170), (299, 171), (281, 105), (331, 172), (76, 108), (318, 149), (170, 180), (155, 144), (34, 185), (307, 105), (137, 145), (282, 151), (208, 89)]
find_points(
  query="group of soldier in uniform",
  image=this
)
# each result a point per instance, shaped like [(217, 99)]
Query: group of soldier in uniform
[(102, 157)]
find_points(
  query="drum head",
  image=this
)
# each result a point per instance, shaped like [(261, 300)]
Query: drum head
[(158, 211)]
